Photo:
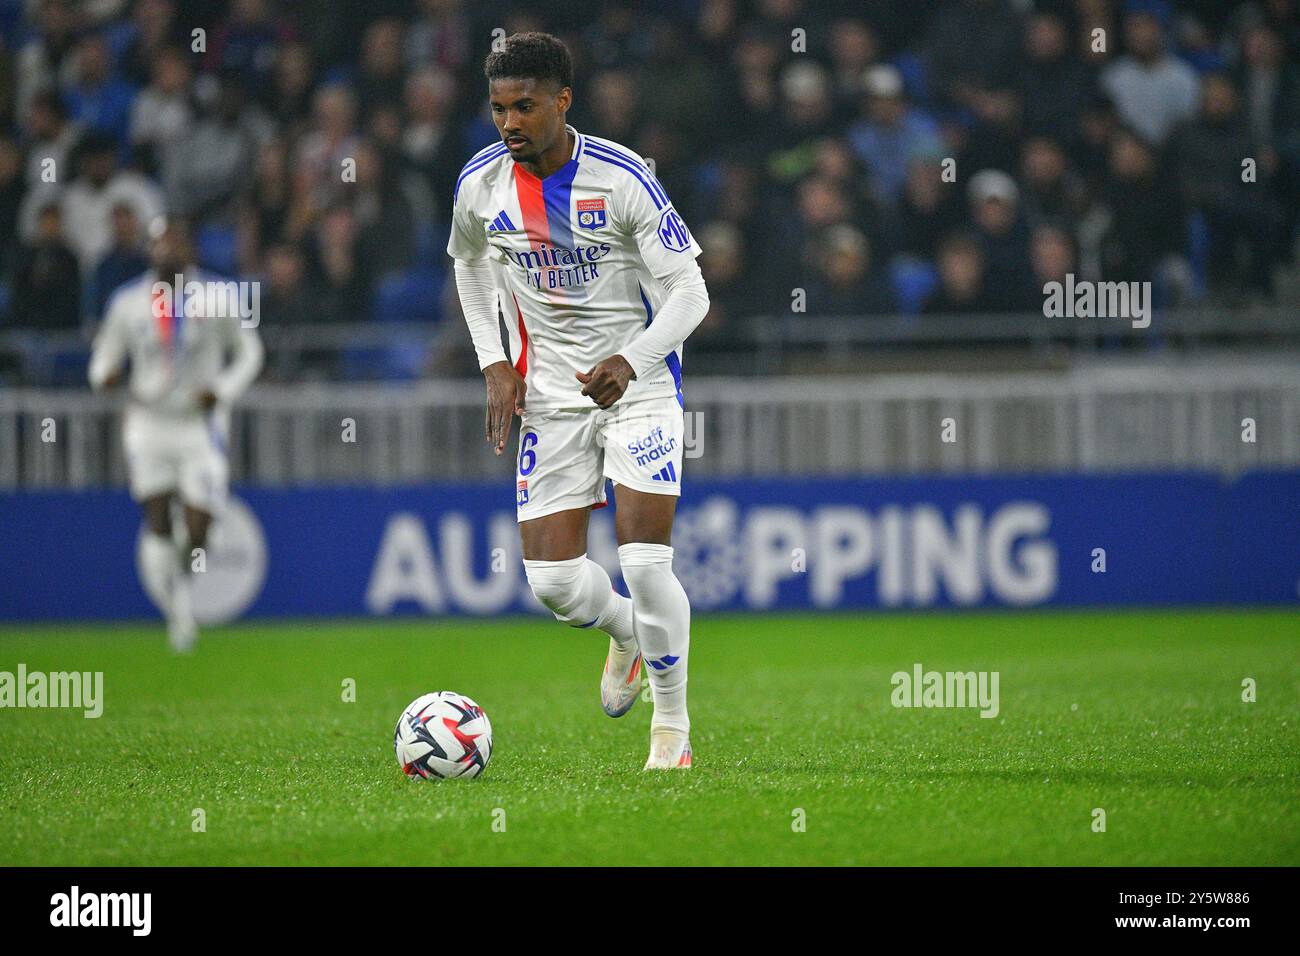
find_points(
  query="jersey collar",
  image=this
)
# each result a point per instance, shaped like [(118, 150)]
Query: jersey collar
[(566, 171)]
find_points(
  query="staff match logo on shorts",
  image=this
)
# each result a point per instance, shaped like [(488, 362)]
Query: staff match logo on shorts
[(591, 213)]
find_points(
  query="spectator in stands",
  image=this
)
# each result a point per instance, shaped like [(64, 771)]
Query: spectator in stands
[(1239, 215), (1196, 46), (99, 99), (384, 216), (156, 29), (614, 105), (13, 189), (124, 261), (87, 203), (205, 170), (961, 278), (45, 61), (806, 101), (1053, 255), (733, 294), (1052, 190), (972, 48), (380, 79), (926, 213), (51, 137), (332, 138), (820, 202), (246, 43), (339, 274), (291, 88), (1270, 93), (1054, 85), (163, 112), (287, 297), (995, 212), (892, 134), (440, 36), (845, 281), (753, 90), (1152, 90), (1147, 225), (47, 280), (854, 48)]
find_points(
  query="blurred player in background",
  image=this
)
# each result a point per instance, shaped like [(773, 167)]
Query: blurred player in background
[(177, 418), (574, 239)]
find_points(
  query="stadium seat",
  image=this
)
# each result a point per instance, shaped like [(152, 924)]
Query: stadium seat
[(913, 281), (397, 361), (217, 249), (412, 295)]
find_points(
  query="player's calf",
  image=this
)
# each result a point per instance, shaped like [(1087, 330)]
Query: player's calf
[(663, 628)]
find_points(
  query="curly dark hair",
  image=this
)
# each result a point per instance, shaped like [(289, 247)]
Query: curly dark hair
[(531, 56)]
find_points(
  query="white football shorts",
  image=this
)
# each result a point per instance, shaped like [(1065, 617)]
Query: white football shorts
[(185, 456), (565, 455)]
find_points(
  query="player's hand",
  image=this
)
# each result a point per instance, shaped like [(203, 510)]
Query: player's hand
[(113, 379), (606, 382), (207, 399), (505, 399)]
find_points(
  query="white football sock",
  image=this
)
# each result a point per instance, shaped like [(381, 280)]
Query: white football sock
[(578, 591), (662, 621), (158, 563)]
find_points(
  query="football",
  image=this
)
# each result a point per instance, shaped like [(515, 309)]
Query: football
[(443, 735)]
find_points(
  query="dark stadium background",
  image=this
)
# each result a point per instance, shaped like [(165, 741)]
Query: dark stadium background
[(773, 156)]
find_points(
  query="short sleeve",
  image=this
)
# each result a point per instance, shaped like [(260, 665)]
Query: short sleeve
[(665, 243), (468, 240)]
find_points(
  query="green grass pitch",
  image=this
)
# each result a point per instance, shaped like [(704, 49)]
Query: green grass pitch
[(1139, 714)]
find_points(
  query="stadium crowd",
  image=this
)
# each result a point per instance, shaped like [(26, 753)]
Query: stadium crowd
[(885, 156)]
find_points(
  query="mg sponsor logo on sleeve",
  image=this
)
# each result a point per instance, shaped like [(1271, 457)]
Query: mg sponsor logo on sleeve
[(672, 231)]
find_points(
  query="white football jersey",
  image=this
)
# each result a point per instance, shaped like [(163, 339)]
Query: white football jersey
[(578, 260), (177, 349)]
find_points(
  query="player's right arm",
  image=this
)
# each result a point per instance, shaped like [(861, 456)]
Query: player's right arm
[(478, 301), (108, 354)]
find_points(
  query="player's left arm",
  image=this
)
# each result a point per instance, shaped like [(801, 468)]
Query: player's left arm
[(668, 250), (108, 354), (247, 355)]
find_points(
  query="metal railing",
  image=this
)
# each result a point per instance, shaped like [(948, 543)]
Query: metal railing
[(754, 345), (1087, 419)]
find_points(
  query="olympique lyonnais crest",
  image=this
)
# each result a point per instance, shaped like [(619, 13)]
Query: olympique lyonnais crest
[(591, 213)]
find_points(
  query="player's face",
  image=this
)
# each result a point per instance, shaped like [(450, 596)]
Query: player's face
[(529, 115), (170, 251)]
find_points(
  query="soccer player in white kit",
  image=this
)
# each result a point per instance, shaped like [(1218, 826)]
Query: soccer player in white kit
[(573, 239), (177, 418)]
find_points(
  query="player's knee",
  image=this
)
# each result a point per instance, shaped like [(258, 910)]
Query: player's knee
[(563, 587)]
